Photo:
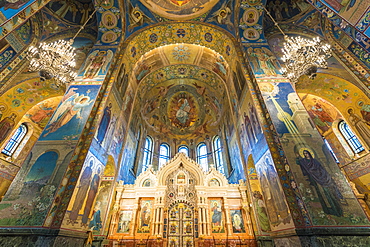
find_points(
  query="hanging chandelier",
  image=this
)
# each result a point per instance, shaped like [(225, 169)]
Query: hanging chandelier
[(55, 60), (302, 56)]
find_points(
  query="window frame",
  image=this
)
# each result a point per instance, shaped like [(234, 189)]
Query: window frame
[(147, 153), (218, 157), (15, 140), (202, 156), (163, 158), (350, 137), (183, 147)]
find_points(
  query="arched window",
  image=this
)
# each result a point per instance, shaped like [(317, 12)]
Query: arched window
[(350, 137), (148, 153), (15, 140), (202, 155), (219, 161), (184, 149), (164, 154)]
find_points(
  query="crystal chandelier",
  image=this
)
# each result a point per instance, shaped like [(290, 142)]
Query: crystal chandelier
[(302, 56), (55, 60)]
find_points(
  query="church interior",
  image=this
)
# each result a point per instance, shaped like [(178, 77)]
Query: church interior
[(180, 128)]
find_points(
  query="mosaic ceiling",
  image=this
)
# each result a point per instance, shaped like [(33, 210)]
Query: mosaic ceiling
[(183, 100), (179, 9)]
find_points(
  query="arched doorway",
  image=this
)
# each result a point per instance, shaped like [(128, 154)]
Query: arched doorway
[(181, 225)]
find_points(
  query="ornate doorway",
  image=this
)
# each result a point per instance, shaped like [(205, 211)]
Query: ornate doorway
[(181, 225)]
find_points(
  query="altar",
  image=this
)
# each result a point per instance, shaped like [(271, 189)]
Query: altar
[(181, 205)]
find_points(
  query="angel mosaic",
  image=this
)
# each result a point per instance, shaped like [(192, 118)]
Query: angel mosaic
[(223, 15), (137, 18), (96, 62), (72, 105)]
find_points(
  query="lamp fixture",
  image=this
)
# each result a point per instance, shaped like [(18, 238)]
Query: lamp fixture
[(55, 60), (302, 56)]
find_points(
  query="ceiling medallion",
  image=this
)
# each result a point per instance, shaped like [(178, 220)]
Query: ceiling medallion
[(302, 56), (182, 110)]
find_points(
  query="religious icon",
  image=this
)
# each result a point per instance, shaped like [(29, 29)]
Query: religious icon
[(147, 183), (187, 213), (6, 126), (237, 221), (124, 222), (319, 178), (106, 119), (216, 216), (137, 18), (261, 211), (181, 178), (72, 105), (96, 61), (85, 182), (145, 217), (272, 191), (188, 229), (173, 228), (214, 182)]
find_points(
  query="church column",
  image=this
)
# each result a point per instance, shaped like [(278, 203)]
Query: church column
[(66, 202), (229, 225), (116, 209), (157, 218), (305, 187), (155, 159), (135, 211), (245, 206), (210, 159), (155, 222), (202, 221), (207, 230), (161, 219)]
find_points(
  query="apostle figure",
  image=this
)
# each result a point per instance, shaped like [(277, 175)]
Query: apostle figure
[(237, 222), (104, 123), (145, 217), (216, 217), (261, 211), (94, 187), (6, 126), (81, 193), (365, 112), (97, 60), (96, 222), (182, 113), (360, 125), (329, 195)]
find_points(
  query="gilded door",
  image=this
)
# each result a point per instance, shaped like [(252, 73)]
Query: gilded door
[(181, 225)]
